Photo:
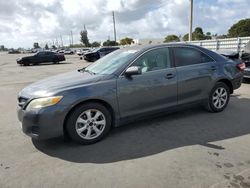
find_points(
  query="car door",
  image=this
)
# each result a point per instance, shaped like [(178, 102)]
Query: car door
[(195, 72), (154, 89), (38, 58), (47, 57)]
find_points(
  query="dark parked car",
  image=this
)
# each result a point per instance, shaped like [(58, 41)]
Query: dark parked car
[(41, 57), (124, 85), (98, 53), (12, 51)]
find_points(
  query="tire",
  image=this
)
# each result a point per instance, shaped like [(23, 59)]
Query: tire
[(56, 61), (218, 98), (27, 63), (88, 123)]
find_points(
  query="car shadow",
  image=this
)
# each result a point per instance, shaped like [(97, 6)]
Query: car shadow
[(152, 136)]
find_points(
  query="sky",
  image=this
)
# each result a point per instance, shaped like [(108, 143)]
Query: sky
[(23, 22)]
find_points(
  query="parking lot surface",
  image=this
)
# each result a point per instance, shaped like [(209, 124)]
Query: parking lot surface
[(189, 148)]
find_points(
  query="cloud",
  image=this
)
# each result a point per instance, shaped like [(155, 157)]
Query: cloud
[(23, 22)]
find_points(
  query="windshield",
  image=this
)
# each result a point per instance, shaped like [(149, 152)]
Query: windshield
[(95, 49), (112, 62)]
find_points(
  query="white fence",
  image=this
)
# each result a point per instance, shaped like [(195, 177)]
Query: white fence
[(234, 44)]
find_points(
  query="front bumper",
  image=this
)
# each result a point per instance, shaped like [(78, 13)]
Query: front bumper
[(42, 123), (19, 62)]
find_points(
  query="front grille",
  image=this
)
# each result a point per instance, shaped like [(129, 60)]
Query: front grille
[(22, 101)]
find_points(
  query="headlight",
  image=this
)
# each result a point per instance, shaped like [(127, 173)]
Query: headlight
[(43, 102)]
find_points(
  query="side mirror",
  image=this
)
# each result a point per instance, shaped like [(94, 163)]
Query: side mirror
[(134, 70)]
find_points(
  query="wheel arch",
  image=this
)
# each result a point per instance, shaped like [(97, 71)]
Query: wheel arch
[(228, 83), (102, 102)]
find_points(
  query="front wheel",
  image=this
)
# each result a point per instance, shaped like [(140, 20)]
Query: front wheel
[(218, 98), (26, 63), (88, 123)]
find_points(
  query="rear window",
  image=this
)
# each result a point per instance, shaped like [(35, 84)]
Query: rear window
[(188, 56)]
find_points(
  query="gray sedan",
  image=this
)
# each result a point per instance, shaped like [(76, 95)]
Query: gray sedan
[(129, 83)]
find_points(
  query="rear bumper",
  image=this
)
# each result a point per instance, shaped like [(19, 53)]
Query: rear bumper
[(236, 82), (42, 123), (247, 72)]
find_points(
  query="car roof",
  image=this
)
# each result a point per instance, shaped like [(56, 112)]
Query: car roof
[(150, 46), (143, 48)]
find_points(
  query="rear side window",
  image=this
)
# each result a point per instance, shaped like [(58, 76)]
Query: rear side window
[(156, 59), (189, 56)]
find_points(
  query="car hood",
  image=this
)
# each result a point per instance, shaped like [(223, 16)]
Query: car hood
[(55, 84)]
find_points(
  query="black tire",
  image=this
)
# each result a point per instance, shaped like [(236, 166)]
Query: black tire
[(27, 63), (56, 61), (77, 112), (210, 104)]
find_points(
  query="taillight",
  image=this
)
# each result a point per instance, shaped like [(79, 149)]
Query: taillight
[(241, 66)]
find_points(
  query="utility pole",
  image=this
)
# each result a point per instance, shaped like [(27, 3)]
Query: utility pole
[(72, 41), (113, 14), (56, 42), (190, 20), (61, 40)]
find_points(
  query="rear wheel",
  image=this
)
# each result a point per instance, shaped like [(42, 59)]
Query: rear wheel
[(218, 98), (88, 123)]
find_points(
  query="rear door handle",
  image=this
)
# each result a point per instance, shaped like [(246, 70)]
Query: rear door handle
[(169, 76)]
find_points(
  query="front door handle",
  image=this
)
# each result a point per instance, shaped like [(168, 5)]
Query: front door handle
[(170, 76)]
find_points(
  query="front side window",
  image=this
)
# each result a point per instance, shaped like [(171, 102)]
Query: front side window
[(40, 53), (189, 56), (156, 59)]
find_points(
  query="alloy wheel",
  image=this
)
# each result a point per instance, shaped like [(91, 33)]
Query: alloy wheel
[(220, 97), (90, 124)]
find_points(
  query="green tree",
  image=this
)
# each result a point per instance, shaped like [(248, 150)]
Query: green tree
[(208, 36), (126, 41), (171, 38), (110, 43), (198, 34), (46, 46), (221, 36), (53, 47), (84, 38), (185, 37), (240, 29), (36, 45), (95, 44)]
